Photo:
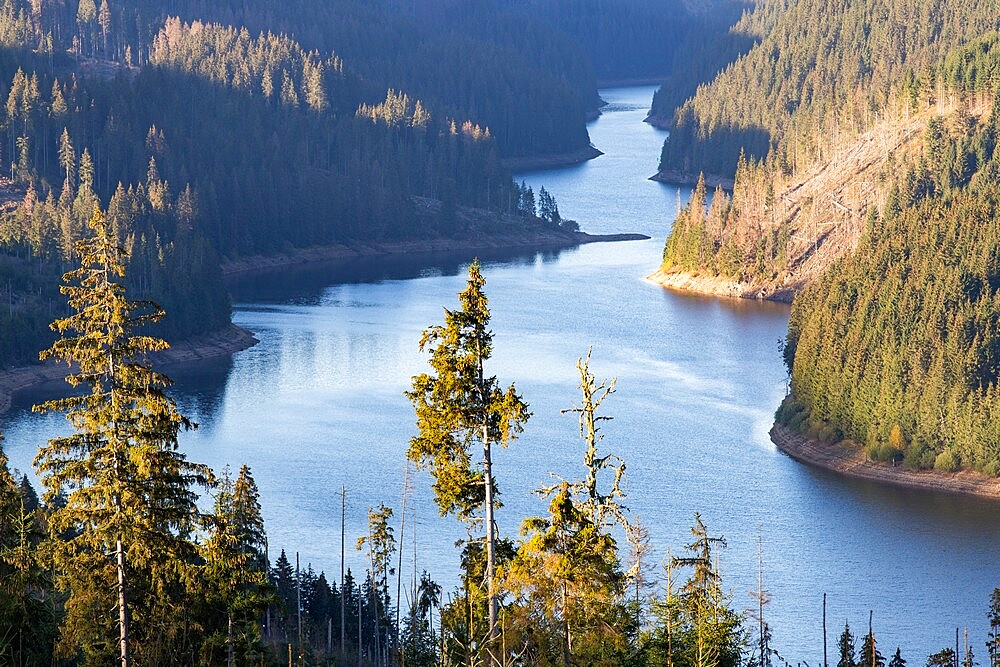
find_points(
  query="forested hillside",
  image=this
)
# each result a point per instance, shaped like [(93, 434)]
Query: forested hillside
[(896, 347), (821, 72), (317, 162)]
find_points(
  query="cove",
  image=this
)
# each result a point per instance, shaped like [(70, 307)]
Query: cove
[(319, 404)]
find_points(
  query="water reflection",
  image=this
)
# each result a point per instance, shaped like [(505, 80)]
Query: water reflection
[(319, 404), (306, 284)]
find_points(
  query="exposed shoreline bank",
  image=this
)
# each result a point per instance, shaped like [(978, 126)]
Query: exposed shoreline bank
[(233, 338), (543, 162), (673, 177), (228, 340), (852, 461), (542, 240), (719, 286)]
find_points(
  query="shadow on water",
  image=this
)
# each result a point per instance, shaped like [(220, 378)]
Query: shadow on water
[(306, 283)]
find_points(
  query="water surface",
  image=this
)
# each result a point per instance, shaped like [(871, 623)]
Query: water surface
[(319, 404)]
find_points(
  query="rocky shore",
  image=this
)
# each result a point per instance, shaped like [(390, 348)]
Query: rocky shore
[(722, 286)]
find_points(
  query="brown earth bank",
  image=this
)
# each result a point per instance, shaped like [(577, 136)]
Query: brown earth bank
[(517, 236), (541, 162), (673, 177), (722, 286), (228, 340), (851, 460)]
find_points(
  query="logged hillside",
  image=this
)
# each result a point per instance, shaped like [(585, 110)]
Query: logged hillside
[(821, 70), (774, 235), (896, 346)]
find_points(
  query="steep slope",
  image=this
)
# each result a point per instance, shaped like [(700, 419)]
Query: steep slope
[(821, 69), (895, 348), (776, 235)]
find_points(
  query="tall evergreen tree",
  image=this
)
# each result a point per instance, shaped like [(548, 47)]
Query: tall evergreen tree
[(27, 627), (458, 406), (236, 569), (695, 624), (129, 492), (846, 648)]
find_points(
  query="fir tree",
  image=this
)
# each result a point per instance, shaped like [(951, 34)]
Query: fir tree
[(129, 492)]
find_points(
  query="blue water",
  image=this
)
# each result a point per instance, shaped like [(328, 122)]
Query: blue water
[(319, 404)]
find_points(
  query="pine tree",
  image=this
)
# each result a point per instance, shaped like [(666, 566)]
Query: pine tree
[(459, 406), (129, 492)]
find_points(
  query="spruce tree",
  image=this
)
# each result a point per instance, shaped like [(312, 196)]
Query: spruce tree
[(567, 571), (846, 648), (458, 406), (124, 533), (236, 569), (27, 626)]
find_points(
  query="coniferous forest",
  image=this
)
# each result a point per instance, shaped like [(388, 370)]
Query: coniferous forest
[(147, 147), (892, 346), (117, 562)]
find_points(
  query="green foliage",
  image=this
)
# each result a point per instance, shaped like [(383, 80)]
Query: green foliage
[(566, 581), (128, 491), (868, 653), (896, 345), (695, 625), (946, 461), (846, 648), (459, 405), (732, 239), (943, 658), (235, 573), (819, 71), (28, 627)]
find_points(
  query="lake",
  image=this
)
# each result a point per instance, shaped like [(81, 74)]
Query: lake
[(319, 404)]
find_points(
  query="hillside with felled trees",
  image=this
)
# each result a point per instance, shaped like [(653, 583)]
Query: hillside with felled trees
[(782, 226), (820, 73)]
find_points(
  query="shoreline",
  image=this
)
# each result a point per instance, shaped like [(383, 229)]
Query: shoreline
[(718, 286), (544, 162), (673, 177), (851, 461), (547, 240), (233, 338), (658, 121), (226, 341)]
